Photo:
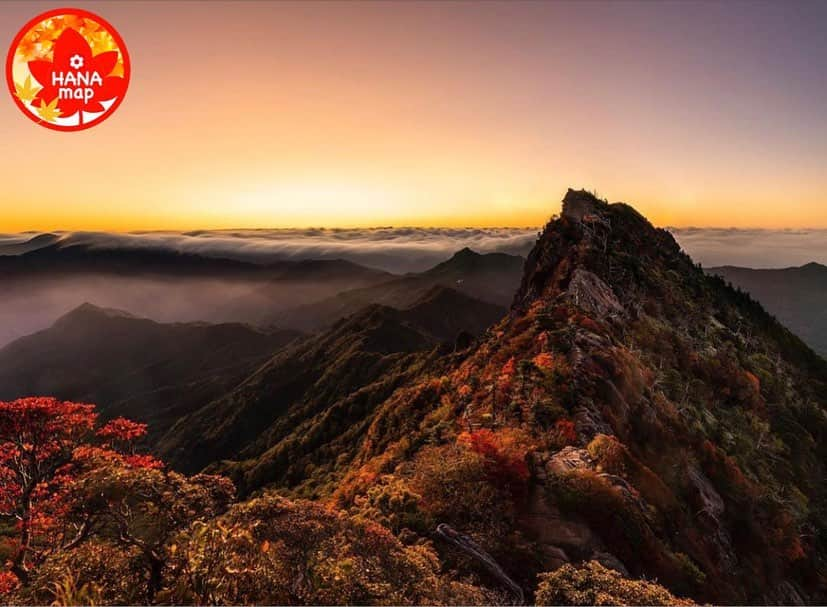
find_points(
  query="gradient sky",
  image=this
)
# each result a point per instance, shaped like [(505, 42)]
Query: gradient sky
[(271, 114)]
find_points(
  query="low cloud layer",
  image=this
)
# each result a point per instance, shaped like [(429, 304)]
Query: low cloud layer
[(402, 250), (753, 248), (391, 249)]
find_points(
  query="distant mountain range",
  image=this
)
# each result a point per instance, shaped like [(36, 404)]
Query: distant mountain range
[(160, 372), (398, 250), (796, 296), (491, 278), (168, 286), (316, 396)]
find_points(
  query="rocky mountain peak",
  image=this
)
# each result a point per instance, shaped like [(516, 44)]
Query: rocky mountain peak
[(613, 243), (645, 383), (579, 203)]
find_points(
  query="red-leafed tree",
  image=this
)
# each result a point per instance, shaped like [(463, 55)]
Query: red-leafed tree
[(504, 453), (46, 446)]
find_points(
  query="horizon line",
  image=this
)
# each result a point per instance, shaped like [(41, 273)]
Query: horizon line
[(188, 231)]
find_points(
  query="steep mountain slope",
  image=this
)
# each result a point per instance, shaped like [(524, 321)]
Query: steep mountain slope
[(491, 278), (796, 296), (310, 404), (445, 313), (132, 366), (630, 410)]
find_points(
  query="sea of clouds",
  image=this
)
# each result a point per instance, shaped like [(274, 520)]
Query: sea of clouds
[(402, 250), (392, 249), (713, 247)]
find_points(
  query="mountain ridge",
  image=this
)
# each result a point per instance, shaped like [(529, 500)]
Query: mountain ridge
[(490, 278), (666, 420), (797, 296), (268, 424)]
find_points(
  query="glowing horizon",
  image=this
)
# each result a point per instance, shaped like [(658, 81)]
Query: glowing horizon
[(264, 115)]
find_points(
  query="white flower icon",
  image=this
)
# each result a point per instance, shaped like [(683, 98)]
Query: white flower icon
[(76, 61)]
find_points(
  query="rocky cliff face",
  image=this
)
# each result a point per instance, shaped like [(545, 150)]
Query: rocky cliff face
[(671, 429)]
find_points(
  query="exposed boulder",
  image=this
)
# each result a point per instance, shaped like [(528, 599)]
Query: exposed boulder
[(710, 501), (592, 295), (569, 458)]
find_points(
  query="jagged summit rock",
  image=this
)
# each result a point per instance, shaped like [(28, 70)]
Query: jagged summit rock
[(613, 242), (580, 203)]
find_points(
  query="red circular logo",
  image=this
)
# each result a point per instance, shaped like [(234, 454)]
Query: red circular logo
[(68, 69)]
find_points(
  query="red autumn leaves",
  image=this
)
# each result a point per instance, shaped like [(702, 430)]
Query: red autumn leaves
[(70, 46), (47, 448)]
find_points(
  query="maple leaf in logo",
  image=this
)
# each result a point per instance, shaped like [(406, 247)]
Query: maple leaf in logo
[(48, 111), (26, 92), (68, 45), (28, 46)]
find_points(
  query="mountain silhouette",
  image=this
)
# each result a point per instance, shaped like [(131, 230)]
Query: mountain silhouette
[(490, 278), (132, 366)]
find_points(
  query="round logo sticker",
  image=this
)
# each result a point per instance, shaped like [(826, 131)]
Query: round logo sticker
[(67, 69)]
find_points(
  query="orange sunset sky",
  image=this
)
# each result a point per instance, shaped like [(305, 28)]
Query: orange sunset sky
[(272, 114)]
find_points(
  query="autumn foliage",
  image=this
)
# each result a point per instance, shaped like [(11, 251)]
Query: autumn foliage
[(46, 446), (504, 453), (69, 481), (95, 522), (594, 584), (274, 551)]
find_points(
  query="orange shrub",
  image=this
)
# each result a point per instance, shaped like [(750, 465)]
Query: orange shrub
[(544, 361), (504, 452)]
